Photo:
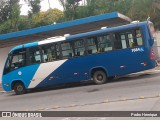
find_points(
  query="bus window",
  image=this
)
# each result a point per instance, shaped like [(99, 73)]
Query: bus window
[(49, 53), (58, 55), (34, 55), (123, 40), (139, 37), (79, 48), (104, 43), (16, 60), (117, 42), (91, 45), (67, 50), (130, 39)]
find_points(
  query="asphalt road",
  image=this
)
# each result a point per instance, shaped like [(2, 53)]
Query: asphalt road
[(137, 92)]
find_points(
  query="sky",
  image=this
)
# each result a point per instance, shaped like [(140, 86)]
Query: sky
[(44, 6)]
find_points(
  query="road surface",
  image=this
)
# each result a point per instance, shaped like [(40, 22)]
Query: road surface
[(136, 92)]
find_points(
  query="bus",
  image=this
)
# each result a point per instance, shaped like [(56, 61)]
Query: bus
[(97, 55)]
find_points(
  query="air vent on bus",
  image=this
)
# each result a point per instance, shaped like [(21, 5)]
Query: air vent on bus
[(53, 37), (135, 21), (66, 35), (103, 28)]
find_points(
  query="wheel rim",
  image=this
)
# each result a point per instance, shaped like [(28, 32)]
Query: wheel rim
[(100, 77), (19, 88)]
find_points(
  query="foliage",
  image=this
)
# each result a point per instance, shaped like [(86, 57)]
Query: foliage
[(45, 18), (9, 16), (11, 20), (135, 9), (24, 23), (70, 8), (15, 13), (6, 9), (35, 6)]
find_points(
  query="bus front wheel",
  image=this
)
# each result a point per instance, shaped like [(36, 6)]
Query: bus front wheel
[(19, 88), (99, 77)]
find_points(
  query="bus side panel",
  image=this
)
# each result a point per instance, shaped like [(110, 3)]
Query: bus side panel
[(73, 70), (118, 62), (24, 74)]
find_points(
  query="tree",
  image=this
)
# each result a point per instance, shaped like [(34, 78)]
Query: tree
[(15, 14), (6, 9), (35, 6), (9, 16), (35, 9), (141, 10), (70, 8), (45, 18), (24, 23)]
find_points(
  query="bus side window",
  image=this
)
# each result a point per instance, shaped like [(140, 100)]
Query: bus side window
[(139, 37), (104, 43), (57, 50), (123, 40), (131, 41), (79, 48), (117, 41), (91, 46), (67, 50), (48, 53), (34, 55)]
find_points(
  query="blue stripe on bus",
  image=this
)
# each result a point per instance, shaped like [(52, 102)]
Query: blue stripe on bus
[(24, 46), (31, 44)]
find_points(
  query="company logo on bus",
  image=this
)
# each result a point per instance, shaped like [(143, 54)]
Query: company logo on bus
[(138, 49)]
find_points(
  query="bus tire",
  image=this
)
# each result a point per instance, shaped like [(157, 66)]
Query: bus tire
[(99, 77), (19, 88)]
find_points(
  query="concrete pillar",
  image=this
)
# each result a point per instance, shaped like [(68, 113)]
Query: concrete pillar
[(158, 43)]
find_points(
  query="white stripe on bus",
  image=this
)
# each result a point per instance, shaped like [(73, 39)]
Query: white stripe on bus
[(43, 71), (51, 40)]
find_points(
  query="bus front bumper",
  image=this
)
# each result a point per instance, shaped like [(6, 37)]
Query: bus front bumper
[(6, 86)]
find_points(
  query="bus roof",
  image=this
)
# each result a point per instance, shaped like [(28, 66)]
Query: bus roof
[(102, 31), (71, 37)]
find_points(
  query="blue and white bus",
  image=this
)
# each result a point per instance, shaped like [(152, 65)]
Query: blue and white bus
[(96, 55)]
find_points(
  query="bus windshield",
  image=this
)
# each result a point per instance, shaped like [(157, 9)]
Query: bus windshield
[(15, 60)]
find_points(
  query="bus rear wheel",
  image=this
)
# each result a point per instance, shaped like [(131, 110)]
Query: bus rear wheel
[(99, 77), (19, 88)]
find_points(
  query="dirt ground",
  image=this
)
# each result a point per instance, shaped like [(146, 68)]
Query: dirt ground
[(1, 87)]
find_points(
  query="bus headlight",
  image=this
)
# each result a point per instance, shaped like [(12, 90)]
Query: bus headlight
[(6, 84)]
